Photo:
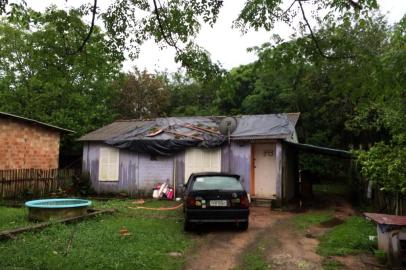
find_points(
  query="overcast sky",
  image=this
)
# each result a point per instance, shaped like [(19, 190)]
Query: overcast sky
[(226, 45)]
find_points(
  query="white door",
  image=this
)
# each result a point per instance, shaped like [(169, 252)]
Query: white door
[(202, 160), (265, 170)]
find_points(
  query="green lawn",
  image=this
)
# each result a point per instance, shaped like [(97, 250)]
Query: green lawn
[(304, 221), (97, 244), (351, 237), (12, 217)]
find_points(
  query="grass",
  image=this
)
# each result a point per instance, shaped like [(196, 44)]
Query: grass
[(331, 264), (304, 221), (97, 244), (351, 237), (11, 217), (341, 189)]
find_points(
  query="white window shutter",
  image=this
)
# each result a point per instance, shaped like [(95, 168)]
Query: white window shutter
[(108, 164), (202, 160)]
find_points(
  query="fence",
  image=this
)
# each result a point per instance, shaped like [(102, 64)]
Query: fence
[(23, 183), (379, 200), (390, 203)]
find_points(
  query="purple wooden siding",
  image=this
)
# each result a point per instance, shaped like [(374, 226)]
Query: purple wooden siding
[(179, 171), (127, 175), (137, 172), (152, 172), (236, 159), (278, 157)]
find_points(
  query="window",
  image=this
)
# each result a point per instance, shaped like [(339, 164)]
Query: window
[(108, 164), (217, 183)]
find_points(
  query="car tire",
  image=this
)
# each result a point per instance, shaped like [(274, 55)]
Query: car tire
[(243, 226), (187, 226)]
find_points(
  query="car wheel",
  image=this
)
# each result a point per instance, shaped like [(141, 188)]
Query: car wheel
[(243, 226), (187, 226)]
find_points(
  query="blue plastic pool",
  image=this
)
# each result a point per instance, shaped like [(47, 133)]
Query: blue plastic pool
[(58, 203), (47, 209)]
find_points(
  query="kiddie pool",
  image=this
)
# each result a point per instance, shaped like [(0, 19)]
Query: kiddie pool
[(42, 210)]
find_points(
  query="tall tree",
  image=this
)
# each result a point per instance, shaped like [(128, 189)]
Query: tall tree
[(142, 95), (40, 78), (176, 23)]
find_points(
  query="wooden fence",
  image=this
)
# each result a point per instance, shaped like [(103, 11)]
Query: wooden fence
[(390, 203), (33, 183), (379, 200)]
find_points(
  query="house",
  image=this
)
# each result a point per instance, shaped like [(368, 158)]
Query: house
[(133, 155), (28, 144)]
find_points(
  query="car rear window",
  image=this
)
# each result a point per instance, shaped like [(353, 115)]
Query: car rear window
[(217, 183)]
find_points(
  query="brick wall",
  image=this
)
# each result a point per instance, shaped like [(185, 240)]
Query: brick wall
[(25, 145)]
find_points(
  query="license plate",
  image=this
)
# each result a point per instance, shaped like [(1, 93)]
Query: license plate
[(218, 203)]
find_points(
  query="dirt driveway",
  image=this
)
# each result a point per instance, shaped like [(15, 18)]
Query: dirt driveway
[(222, 248), (285, 248)]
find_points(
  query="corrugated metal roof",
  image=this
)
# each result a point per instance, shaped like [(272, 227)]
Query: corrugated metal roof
[(32, 121), (387, 219), (112, 130), (263, 126), (266, 126)]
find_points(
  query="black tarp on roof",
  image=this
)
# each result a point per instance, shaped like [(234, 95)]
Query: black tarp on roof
[(165, 136)]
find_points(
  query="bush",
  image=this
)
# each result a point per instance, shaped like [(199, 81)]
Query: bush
[(82, 185)]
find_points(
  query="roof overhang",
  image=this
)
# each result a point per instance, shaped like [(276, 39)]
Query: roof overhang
[(314, 149), (35, 122)]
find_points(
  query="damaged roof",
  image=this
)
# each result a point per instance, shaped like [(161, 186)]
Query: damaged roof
[(265, 126), (165, 136)]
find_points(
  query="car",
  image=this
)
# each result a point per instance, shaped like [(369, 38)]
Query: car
[(211, 197)]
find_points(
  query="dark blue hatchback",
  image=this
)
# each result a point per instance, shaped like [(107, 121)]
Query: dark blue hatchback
[(215, 197)]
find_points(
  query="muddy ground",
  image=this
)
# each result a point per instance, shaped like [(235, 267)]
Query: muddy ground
[(284, 246)]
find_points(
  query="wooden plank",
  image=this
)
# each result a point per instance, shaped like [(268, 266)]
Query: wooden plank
[(10, 234)]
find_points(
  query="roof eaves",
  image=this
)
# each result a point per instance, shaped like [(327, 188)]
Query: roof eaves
[(36, 122), (322, 150), (260, 137)]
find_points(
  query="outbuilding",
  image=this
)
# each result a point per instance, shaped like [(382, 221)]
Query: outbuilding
[(132, 156), (28, 144)]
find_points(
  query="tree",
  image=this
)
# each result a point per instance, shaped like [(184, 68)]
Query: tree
[(193, 97), (41, 79), (142, 95), (176, 23), (338, 98)]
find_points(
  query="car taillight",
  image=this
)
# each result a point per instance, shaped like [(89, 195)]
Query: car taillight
[(244, 201), (190, 202)]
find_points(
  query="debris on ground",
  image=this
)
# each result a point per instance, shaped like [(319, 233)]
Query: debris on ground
[(124, 232), (141, 201), (157, 208), (163, 191), (175, 254)]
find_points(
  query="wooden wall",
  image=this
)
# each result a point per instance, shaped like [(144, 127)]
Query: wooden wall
[(138, 173), (236, 158)]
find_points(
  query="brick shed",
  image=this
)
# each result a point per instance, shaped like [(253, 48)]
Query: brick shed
[(28, 144)]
